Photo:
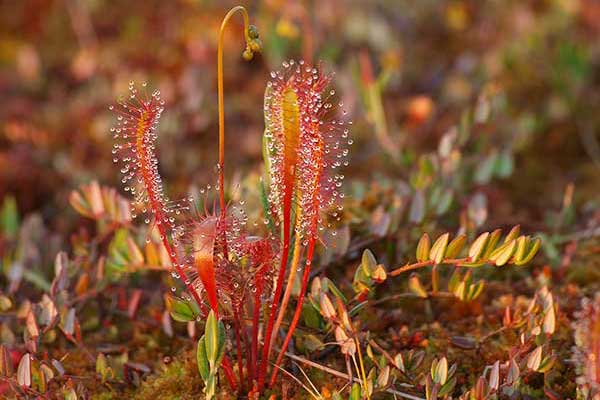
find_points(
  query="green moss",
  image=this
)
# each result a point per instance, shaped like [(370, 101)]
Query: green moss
[(178, 380)]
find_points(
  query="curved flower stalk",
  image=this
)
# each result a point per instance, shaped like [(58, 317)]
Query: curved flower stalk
[(306, 146), (209, 252)]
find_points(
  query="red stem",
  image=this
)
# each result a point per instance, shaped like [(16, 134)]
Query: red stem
[(238, 327), (298, 312), (287, 211), (255, 322)]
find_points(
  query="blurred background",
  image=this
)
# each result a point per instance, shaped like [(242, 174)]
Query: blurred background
[(408, 70)]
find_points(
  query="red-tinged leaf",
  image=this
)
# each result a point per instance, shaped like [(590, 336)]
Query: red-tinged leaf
[(494, 381), (6, 364), (204, 236), (134, 302)]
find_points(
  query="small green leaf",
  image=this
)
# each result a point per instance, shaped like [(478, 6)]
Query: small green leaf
[(438, 250), (513, 234), (423, 248), (355, 393), (211, 332), (502, 254), (180, 309), (522, 242), (368, 262), (531, 253), (477, 247), (546, 364), (336, 292), (475, 290), (440, 374), (9, 218), (447, 387), (414, 285), (490, 246), (454, 280), (455, 246), (202, 360)]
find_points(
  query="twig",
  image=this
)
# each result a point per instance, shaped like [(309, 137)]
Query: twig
[(346, 376), (410, 267)]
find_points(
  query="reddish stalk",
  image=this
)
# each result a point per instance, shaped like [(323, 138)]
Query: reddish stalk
[(238, 340), (255, 322), (298, 312), (275, 302)]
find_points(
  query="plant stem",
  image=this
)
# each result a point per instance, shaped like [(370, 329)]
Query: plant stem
[(255, 322), (362, 366), (274, 305), (345, 376), (238, 328), (290, 282), (421, 264), (226, 19), (296, 318)]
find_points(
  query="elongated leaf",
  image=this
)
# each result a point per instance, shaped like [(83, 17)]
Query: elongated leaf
[(535, 359), (438, 250), (355, 393), (490, 246), (9, 218), (423, 248), (202, 360), (513, 234), (414, 285), (502, 254), (456, 246), (535, 246), (211, 333), (454, 279), (522, 242), (477, 247), (24, 371), (441, 371), (495, 376)]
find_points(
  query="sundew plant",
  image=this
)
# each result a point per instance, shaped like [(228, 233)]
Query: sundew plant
[(232, 275), (331, 203), (240, 277)]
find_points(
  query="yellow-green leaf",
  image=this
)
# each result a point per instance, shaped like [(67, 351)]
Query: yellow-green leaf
[(531, 253), (493, 240), (502, 254), (477, 247), (414, 285), (438, 250), (513, 234), (423, 248), (455, 246)]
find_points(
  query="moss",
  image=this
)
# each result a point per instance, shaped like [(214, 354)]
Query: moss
[(179, 380)]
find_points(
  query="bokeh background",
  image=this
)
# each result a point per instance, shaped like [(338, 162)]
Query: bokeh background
[(62, 62)]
